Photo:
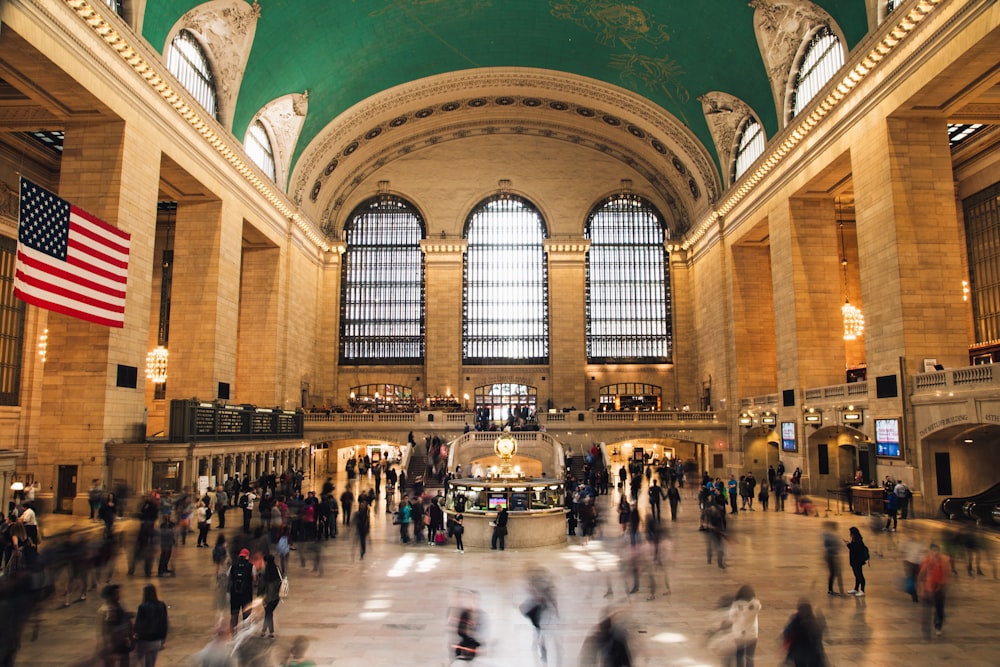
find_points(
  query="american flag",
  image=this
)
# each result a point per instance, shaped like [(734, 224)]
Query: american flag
[(68, 261)]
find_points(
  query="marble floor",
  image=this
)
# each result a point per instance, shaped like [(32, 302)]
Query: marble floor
[(392, 607)]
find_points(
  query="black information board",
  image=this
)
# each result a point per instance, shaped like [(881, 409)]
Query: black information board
[(192, 420)]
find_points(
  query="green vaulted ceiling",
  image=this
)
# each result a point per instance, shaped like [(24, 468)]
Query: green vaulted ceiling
[(344, 51)]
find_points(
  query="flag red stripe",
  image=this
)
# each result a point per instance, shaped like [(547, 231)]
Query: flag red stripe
[(69, 294), (97, 271), (99, 242), (65, 310), (111, 291), (124, 236)]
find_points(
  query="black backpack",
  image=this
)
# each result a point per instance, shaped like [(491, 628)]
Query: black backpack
[(241, 578), (244, 501)]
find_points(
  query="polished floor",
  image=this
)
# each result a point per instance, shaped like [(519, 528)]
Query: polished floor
[(392, 607)]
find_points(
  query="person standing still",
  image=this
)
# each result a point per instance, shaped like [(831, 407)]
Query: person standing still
[(221, 505), (499, 529), (151, 626), (858, 556), (674, 498), (458, 529)]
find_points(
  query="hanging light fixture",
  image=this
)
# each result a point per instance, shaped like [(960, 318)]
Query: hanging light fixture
[(156, 365), (854, 320), (43, 345)]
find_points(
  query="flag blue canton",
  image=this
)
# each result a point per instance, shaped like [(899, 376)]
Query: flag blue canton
[(44, 222)]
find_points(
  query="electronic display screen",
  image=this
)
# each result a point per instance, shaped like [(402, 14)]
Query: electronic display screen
[(788, 443), (887, 438), (519, 502), (497, 501)]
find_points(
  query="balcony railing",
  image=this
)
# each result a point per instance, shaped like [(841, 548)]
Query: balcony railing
[(972, 377)]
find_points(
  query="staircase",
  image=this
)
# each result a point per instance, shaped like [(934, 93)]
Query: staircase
[(418, 464)]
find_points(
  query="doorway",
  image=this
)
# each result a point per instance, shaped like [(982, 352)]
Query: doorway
[(65, 489)]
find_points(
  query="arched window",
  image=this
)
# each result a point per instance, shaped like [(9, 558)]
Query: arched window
[(822, 58), (382, 284), (258, 146), (749, 147), (506, 300), (628, 284), (186, 60)]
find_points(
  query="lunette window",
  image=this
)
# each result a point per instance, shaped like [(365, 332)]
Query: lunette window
[(822, 59), (628, 284), (749, 147), (505, 300), (186, 60), (382, 284), (258, 147)]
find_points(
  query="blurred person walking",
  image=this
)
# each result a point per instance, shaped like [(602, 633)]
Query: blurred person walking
[(296, 654), (268, 587), (115, 643), (743, 622), (933, 579), (831, 554), (803, 638), (539, 609)]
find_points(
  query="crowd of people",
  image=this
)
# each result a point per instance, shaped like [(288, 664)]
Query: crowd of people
[(251, 558)]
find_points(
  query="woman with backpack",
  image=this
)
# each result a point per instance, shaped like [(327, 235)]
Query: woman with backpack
[(858, 556)]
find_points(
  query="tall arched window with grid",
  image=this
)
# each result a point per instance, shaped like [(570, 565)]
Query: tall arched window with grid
[(382, 284), (506, 300), (628, 284), (186, 60), (822, 58), (258, 147), (749, 147)]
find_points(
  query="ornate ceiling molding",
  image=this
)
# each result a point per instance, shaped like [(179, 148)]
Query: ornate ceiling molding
[(284, 118), (782, 27), (524, 93), (672, 183), (725, 114)]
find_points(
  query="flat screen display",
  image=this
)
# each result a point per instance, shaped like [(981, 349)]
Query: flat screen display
[(519, 502), (788, 443), (887, 438), (497, 501)]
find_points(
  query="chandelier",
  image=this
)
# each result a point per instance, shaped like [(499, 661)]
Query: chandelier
[(156, 365), (854, 320)]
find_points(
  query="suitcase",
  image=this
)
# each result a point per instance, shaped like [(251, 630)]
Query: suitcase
[(440, 537)]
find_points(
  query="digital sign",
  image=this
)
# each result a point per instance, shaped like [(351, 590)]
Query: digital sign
[(887, 438), (788, 443)]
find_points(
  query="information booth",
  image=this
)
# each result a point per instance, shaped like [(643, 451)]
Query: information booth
[(536, 510)]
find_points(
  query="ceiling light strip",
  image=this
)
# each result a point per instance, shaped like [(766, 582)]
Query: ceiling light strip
[(146, 71), (889, 42)]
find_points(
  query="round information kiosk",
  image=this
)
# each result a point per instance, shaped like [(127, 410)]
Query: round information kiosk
[(536, 508)]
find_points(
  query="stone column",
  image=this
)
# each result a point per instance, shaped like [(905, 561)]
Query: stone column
[(107, 170), (205, 299), (567, 323), (260, 348), (911, 246), (806, 275), (443, 278)]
